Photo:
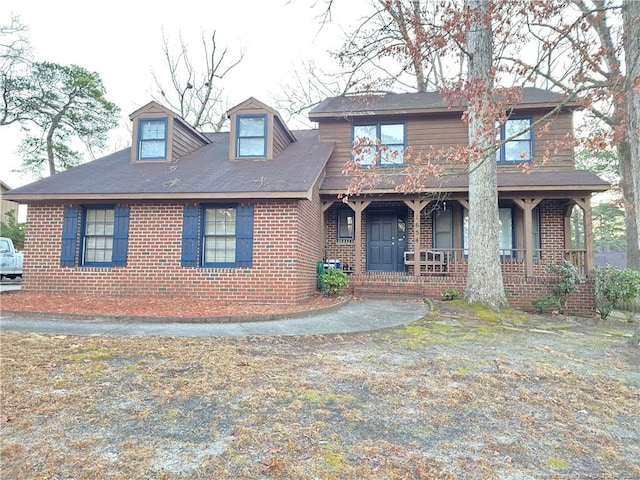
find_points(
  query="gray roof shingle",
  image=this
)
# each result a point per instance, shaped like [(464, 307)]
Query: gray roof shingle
[(205, 172), (540, 179), (403, 103)]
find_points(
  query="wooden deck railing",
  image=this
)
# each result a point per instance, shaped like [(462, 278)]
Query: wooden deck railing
[(455, 260)]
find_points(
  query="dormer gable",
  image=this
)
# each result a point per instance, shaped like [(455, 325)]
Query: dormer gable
[(257, 131), (161, 135)]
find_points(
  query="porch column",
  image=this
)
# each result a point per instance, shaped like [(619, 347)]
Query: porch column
[(358, 207), (527, 205), (585, 204), (416, 206)]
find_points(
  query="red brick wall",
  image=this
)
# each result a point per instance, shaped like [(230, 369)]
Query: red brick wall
[(286, 247), (520, 290)]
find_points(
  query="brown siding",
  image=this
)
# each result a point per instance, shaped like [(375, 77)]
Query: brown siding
[(184, 141), (280, 138), (448, 131)]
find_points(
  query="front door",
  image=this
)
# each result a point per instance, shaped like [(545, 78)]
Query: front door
[(386, 241)]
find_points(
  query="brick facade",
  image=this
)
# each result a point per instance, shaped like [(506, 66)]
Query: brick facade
[(286, 249)]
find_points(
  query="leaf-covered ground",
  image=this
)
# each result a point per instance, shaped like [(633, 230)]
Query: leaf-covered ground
[(459, 394)]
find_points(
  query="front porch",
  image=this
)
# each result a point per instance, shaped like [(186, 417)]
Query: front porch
[(376, 240)]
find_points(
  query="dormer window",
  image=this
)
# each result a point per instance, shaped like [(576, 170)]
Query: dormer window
[(152, 141), (251, 136)]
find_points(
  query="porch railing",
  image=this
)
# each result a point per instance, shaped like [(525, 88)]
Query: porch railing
[(455, 261)]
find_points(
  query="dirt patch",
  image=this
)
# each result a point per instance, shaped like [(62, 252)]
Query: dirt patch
[(450, 396)]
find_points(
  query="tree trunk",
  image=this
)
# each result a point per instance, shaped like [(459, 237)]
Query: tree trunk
[(626, 187), (631, 25), (484, 279)]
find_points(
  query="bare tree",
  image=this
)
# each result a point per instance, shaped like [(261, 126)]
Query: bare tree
[(579, 51), (15, 59), (195, 91)]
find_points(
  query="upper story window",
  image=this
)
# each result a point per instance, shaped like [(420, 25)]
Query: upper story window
[(251, 133), (152, 139), (520, 148), (383, 144)]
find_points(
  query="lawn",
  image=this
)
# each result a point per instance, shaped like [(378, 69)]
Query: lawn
[(458, 394)]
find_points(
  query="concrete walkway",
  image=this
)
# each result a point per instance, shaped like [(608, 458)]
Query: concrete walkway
[(355, 316)]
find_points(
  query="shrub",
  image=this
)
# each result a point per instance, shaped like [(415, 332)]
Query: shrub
[(614, 286), (450, 294), (564, 284), (333, 281), (546, 304)]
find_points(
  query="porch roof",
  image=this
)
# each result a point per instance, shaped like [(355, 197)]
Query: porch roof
[(536, 181)]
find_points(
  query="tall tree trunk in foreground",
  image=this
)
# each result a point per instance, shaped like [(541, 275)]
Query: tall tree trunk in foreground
[(626, 187), (631, 24), (484, 279)]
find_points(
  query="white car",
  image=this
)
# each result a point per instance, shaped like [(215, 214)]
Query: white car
[(10, 259)]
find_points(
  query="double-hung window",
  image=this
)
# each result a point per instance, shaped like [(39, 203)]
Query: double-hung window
[(251, 136), (152, 139), (382, 143), (506, 231), (217, 236), (520, 148), (102, 236), (97, 236)]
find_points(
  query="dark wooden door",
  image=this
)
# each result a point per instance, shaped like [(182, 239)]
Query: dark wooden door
[(386, 239)]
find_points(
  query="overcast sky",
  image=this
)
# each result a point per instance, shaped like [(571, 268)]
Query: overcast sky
[(122, 42)]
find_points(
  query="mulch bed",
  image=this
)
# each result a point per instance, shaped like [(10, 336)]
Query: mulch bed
[(86, 305)]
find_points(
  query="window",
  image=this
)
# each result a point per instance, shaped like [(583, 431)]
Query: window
[(443, 228), (536, 233), (251, 133), (152, 135), (520, 148), (391, 140), (346, 221), (217, 236), (506, 232), (103, 236), (97, 239)]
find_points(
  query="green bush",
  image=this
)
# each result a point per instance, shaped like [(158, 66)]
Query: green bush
[(451, 294), (565, 282), (333, 281), (547, 304), (614, 286)]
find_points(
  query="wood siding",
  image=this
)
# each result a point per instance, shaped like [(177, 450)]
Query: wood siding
[(184, 141), (447, 131), (281, 138)]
